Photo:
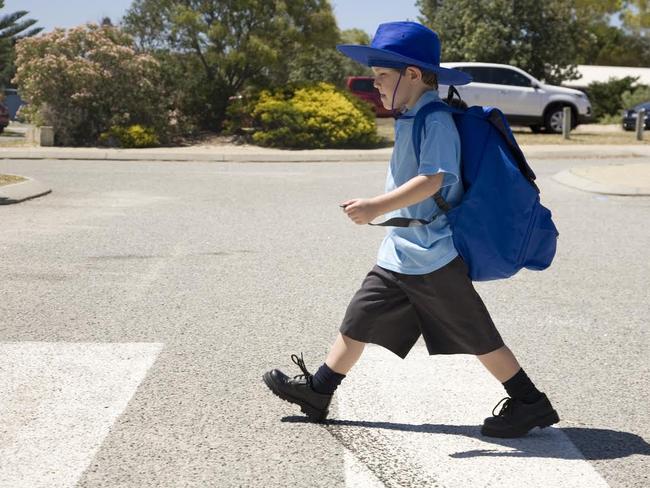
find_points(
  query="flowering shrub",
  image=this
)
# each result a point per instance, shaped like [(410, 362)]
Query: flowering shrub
[(313, 117), (134, 136), (85, 80)]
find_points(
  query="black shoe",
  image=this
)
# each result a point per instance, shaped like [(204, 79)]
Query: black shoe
[(516, 418), (299, 390)]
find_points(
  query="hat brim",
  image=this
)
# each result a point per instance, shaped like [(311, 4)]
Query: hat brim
[(371, 56)]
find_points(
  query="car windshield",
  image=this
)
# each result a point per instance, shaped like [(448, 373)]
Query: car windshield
[(645, 105)]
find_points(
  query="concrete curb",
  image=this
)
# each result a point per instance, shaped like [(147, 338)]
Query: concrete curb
[(569, 178), (24, 190), (253, 157), (262, 155)]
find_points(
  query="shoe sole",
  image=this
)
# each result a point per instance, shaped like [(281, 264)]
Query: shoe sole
[(542, 422), (306, 408)]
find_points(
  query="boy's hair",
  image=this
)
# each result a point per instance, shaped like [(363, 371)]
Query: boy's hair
[(429, 78)]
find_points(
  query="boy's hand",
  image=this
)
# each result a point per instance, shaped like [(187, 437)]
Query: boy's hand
[(360, 210)]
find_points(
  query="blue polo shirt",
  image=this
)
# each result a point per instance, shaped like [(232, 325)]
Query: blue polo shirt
[(423, 249)]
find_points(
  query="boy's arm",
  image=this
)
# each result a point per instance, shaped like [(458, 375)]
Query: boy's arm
[(413, 191), (418, 188)]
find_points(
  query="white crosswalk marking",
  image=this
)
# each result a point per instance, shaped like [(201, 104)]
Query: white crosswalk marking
[(416, 422), (58, 402)]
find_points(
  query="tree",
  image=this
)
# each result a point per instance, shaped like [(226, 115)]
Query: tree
[(607, 45), (604, 43), (327, 64), (12, 29), (537, 36), (355, 36), (636, 17), (595, 11), (226, 46)]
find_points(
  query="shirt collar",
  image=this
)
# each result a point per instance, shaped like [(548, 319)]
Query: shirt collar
[(426, 97)]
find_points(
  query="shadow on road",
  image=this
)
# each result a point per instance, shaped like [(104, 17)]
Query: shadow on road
[(594, 444)]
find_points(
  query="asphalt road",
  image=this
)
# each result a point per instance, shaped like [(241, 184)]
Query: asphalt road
[(154, 295)]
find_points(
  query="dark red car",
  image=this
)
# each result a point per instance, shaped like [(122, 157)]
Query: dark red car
[(362, 87), (4, 117)]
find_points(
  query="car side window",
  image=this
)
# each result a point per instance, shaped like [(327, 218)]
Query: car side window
[(363, 85), (479, 74), (504, 76)]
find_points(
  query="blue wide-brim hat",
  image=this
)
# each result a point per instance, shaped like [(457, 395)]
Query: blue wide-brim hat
[(401, 44)]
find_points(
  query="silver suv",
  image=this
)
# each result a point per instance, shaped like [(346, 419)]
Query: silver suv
[(521, 97)]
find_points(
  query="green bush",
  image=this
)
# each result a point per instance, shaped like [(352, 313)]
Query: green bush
[(309, 117), (634, 97), (610, 119), (134, 136), (607, 98)]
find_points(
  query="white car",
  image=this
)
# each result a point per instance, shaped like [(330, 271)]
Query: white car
[(521, 97)]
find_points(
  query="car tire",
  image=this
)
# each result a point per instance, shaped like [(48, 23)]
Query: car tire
[(554, 116), (536, 128)]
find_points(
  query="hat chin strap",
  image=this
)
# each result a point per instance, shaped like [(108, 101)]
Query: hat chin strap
[(395, 111)]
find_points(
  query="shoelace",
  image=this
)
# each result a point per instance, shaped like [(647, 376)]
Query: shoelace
[(301, 364), (505, 409)]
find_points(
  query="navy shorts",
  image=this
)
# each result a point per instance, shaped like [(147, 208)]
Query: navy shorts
[(392, 310)]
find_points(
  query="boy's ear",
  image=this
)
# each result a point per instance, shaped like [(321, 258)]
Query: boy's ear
[(414, 72)]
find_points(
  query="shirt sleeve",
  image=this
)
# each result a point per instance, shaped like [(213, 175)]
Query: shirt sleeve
[(440, 148)]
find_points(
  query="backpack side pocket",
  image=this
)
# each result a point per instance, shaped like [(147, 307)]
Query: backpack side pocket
[(541, 242)]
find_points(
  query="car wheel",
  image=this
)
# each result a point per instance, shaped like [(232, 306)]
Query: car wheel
[(536, 129), (554, 118)]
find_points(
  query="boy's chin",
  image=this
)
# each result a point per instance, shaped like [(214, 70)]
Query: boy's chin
[(388, 107), (386, 103)]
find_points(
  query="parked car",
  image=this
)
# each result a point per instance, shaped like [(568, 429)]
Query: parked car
[(630, 116), (13, 102), (363, 87), (4, 117), (521, 97)]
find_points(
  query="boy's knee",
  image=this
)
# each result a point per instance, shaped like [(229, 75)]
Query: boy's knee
[(350, 340)]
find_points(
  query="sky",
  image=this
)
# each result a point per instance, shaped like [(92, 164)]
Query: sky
[(363, 14)]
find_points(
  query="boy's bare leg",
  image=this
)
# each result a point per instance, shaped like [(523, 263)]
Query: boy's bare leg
[(345, 352), (501, 363)]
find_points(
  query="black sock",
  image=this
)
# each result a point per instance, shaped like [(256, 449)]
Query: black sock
[(520, 387), (326, 380)]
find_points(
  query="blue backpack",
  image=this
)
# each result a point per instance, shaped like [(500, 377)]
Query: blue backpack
[(500, 225)]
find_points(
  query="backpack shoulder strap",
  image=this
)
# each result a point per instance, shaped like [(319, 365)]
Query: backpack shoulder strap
[(498, 120), (419, 131)]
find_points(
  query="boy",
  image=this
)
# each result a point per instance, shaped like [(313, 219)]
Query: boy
[(420, 284)]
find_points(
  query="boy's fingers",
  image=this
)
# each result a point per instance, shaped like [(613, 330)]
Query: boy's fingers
[(346, 203)]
